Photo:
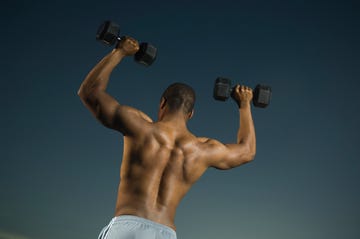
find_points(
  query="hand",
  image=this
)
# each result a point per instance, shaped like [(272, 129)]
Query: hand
[(128, 46), (242, 95)]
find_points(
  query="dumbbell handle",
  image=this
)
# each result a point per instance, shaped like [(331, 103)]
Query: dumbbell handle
[(119, 38)]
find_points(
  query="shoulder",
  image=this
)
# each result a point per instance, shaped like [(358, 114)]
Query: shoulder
[(210, 147), (131, 121)]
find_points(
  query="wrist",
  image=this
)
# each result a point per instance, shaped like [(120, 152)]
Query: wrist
[(244, 105), (119, 52)]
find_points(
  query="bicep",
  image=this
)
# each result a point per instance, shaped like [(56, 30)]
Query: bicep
[(226, 156), (111, 114)]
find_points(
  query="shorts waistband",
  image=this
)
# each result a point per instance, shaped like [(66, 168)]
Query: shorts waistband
[(145, 221)]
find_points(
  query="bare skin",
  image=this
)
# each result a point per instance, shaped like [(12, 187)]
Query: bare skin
[(162, 159)]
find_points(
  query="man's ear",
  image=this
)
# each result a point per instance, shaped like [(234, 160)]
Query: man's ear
[(162, 103), (190, 115)]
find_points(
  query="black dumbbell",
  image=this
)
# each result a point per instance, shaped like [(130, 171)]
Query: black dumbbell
[(108, 33), (223, 89)]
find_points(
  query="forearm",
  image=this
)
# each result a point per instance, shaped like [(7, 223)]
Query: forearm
[(246, 132), (99, 76)]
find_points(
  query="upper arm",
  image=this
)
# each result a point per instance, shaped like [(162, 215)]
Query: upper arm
[(226, 156), (127, 120)]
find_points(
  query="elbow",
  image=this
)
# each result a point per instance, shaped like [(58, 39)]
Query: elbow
[(250, 157), (81, 92), (251, 151), (86, 94), (84, 97)]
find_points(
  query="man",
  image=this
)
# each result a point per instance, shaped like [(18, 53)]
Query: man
[(161, 160)]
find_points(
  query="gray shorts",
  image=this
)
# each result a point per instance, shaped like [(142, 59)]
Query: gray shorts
[(129, 227)]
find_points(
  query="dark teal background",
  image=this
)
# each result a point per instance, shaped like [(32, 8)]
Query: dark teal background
[(59, 167)]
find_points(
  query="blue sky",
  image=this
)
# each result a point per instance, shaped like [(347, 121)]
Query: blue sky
[(59, 167)]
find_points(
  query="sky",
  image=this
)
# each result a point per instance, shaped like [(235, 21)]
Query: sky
[(59, 168)]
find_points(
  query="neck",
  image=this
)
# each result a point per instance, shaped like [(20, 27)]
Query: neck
[(175, 119)]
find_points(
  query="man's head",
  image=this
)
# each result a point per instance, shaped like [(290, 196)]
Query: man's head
[(178, 97)]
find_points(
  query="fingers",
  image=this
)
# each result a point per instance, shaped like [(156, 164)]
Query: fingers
[(128, 45), (242, 95), (130, 40), (242, 88)]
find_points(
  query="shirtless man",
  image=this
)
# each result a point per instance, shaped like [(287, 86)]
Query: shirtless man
[(161, 160)]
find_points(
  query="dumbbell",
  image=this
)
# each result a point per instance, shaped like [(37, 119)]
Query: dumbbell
[(108, 33), (223, 89)]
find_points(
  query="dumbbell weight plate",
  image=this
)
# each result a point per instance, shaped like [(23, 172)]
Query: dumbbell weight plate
[(261, 96), (222, 89), (146, 54), (108, 32)]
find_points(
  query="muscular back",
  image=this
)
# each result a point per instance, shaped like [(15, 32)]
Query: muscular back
[(162, 160), (158, 169)]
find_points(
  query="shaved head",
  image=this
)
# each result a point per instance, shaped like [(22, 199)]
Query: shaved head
[(180, 96)]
